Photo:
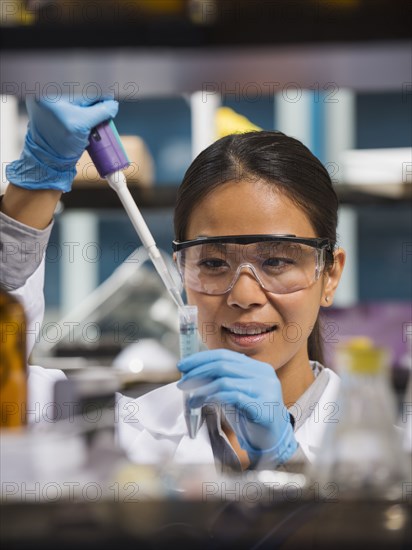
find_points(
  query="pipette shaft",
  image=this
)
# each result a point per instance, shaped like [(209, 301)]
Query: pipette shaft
[(118, 182), (110, 158)]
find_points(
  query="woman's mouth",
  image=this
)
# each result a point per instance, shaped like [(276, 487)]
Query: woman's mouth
[(248, 334)]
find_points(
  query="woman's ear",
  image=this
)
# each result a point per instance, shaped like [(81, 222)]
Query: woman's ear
[(332, 277)]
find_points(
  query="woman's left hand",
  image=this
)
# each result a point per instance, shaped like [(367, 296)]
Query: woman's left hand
[(250, 394)]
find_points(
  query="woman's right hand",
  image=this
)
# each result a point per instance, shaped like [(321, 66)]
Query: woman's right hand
[(250, 394), (57, 135)]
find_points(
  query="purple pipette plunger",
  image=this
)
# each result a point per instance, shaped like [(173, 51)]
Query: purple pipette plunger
[(106, 149)]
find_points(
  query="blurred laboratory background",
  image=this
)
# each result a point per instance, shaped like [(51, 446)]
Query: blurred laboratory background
[(334, 74)]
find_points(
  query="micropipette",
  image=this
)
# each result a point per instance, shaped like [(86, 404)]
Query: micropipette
[(110, 158)]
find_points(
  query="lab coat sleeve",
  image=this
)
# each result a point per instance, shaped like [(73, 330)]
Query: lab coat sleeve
[(22, 252), (22, 249)]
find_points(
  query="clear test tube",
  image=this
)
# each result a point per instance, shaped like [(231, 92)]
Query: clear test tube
[(189, 344)]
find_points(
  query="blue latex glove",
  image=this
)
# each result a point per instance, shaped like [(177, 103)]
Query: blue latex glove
[(57, 135), (250, 394)]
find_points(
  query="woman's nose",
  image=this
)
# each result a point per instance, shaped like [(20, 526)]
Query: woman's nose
[(246, 290)]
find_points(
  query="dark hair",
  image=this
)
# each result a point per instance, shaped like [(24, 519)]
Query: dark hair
[(277, 160)]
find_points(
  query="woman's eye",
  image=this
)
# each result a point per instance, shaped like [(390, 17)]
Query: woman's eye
[(212, 263), (278, 262)]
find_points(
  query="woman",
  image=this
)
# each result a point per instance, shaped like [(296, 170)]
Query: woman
[(255, 227)]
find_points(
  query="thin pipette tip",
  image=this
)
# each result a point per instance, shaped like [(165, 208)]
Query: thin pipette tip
[(194, 421)]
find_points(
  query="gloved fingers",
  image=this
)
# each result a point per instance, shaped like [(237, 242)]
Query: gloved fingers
[(53, 126), (216, 369), (72, 115), (85, 101), (256, 402), (82, 118), (240, 391), (247, 417), (80, 100), (258, 425), (99, 112), (223, 358), (203, 357), (190, 384), (74, 100), (231, 397), (59, 107)]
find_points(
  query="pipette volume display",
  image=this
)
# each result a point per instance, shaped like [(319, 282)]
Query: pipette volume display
[(189, 344)]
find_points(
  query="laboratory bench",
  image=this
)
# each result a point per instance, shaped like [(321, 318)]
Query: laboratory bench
[(210, 524)]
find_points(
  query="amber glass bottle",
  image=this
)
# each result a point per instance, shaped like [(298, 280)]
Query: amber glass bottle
[(13, 369)]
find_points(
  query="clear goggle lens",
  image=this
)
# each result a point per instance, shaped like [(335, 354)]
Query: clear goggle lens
[(279, 267)]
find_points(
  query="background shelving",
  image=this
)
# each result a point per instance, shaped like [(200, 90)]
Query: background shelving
[(153, 62)]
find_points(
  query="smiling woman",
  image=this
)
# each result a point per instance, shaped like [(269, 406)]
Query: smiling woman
[(255, 223), (265, 183), (255, 242)]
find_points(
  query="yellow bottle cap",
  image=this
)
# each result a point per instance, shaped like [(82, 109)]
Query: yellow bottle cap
[(229, 121), (362, 356)]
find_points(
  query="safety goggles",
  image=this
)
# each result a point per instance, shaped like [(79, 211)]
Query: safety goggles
[(281, 264)]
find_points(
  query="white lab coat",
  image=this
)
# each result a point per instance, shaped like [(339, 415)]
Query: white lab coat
[(152, 428)]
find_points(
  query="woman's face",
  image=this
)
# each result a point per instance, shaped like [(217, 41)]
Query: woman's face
[(242, 208)]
